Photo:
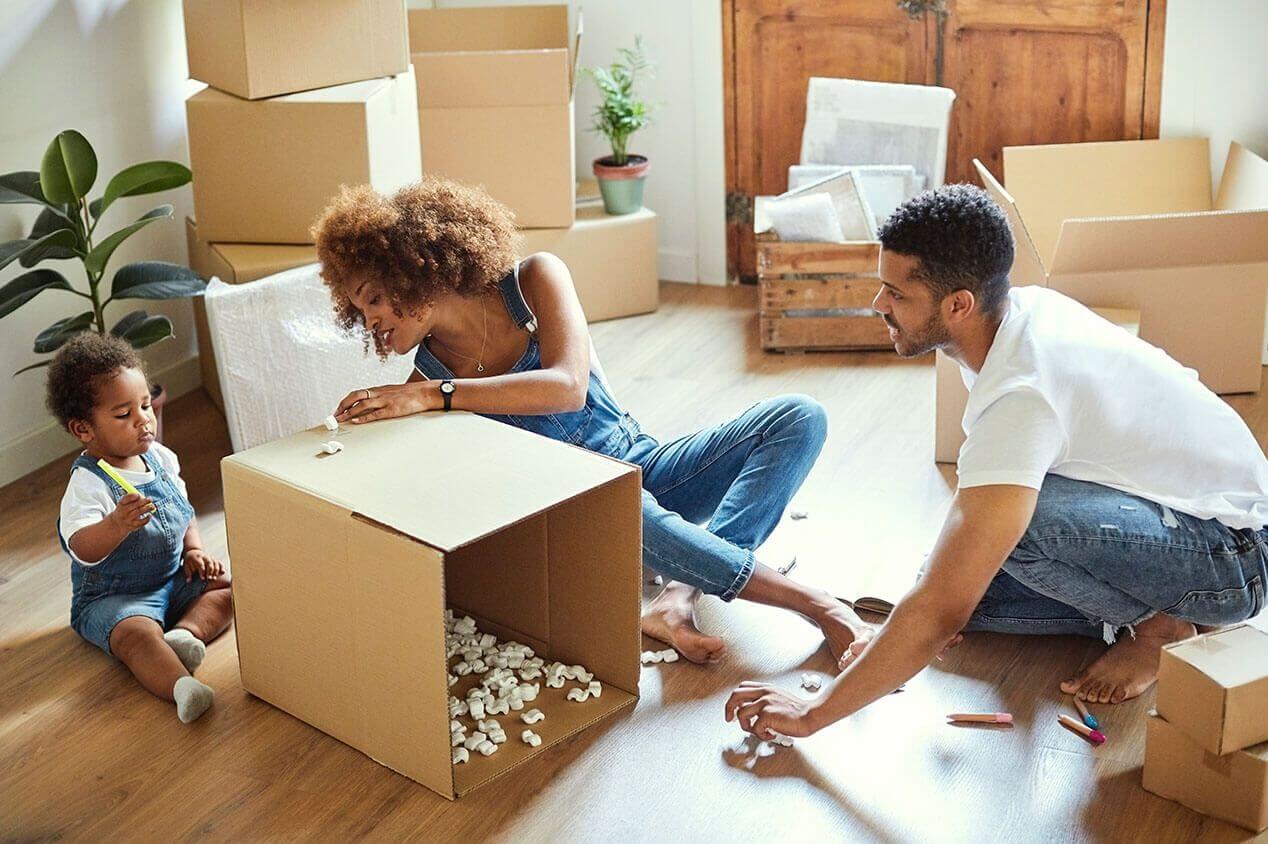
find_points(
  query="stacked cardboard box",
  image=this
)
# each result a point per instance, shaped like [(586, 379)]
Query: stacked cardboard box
[(1206, 745), (306, 96)]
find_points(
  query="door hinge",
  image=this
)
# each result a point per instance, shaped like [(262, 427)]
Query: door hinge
[(739, 209)]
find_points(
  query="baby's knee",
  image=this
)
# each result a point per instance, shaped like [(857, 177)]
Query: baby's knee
[(132, 634)]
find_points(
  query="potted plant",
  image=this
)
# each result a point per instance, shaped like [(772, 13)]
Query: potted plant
[(67, 228), (619, 115)]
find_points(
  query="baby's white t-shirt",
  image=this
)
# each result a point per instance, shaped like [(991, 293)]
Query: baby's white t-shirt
[(1066, 392), (88, 498)]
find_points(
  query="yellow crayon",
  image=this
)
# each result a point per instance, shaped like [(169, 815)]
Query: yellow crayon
[(119, 479)]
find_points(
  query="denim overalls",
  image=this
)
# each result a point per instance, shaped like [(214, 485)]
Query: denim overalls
[(737, 477), (143, 575)]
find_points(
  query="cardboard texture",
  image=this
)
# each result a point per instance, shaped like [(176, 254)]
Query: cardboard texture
[(950, 396), (262, 49), (1214, 688), (232, 263), (537, 540), (264, 170), (1131, 224), (495, 90), (612, 260), (1232, 787)]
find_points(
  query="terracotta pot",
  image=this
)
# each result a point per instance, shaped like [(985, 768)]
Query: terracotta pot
[(158, 398), (621, 185)]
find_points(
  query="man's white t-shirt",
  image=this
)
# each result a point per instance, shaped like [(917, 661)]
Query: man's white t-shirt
[(88, 498), (1065, 392)]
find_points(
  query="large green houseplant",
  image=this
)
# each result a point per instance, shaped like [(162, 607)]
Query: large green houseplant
[(619, 115), (67, 227)]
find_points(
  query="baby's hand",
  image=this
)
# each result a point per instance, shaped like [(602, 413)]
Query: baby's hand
[(132, 512), (199, 562)]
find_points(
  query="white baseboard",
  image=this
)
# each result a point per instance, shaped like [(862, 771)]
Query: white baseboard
[(676, 266), (42, 445)]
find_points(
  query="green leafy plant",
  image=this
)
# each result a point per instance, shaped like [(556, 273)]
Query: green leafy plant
[(67, 228), (621, 113)]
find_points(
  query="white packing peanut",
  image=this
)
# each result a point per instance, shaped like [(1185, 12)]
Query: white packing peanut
[(332, 447), (529, 691), (530, 738), (669, 655), (811, 682), (488, 640), (331, 423), (477, 708), (455, 724), (517, 703), (487, 749), (514, 660), (488, 724), (554, 682), (498, 707), (595, 688), (474, 740), (782, 741), (579, 695), (581, 675), (650, 657), (532, 716), (456, 738), (498, 737), (460, 755), (478, 667), (462, 669), (453, 678)]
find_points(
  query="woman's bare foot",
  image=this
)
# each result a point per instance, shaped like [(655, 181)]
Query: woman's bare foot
[(1130, 666), (860, 644), (671, 618), (841, 626)]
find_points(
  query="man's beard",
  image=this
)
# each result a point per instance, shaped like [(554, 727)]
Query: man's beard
[(916, 342)]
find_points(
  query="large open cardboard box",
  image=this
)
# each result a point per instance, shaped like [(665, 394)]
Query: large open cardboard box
[(343, 566), (265, 169), (1131, 224), (262, 49), (232, 263), (495, 92)]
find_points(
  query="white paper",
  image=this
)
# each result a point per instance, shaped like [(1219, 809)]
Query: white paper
[(809, 218), (846, 193), (884, 186)]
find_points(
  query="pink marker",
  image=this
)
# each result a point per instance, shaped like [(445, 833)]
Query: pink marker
[(982, 718), (1094, 736)]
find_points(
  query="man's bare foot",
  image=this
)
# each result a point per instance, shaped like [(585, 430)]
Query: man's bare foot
[(860, 644), (841, 626), (1130, 666), (671, 618)]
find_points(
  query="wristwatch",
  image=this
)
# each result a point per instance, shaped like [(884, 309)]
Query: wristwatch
[(446, 390)]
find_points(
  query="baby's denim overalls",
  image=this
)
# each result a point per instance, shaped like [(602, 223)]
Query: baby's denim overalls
[(143, 575)]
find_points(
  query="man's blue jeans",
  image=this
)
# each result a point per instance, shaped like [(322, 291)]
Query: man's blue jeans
[(1095, 560)]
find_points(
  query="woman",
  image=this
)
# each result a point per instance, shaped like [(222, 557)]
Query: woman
[(431, 271)]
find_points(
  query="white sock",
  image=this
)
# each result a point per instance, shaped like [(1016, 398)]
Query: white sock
[(193, 698), (187, 646)]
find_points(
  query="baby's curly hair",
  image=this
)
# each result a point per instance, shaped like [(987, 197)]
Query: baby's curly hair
[(427, 239), (78, 370)]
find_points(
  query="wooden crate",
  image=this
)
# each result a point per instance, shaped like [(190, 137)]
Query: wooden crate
[(818, 296)]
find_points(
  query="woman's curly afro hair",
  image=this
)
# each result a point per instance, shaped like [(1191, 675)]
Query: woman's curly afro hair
[(426, 240)]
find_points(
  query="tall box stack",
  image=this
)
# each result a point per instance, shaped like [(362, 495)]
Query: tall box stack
[(305, 96), (1206, 745)]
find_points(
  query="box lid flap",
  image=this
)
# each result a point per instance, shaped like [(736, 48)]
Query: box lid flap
[(1027, 265), (1232, 657), (1163, 240), (1245, 181), (1056, 182), (444, 479), (351, 92), (488, 28)]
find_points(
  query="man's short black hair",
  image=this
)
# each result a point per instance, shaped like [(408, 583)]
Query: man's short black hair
[(961, 238)]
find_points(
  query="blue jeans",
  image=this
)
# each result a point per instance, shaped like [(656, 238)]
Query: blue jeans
[(1094, 560), (712, 497)]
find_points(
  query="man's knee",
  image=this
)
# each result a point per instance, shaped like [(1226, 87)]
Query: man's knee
[(132, 634), (806, 415)]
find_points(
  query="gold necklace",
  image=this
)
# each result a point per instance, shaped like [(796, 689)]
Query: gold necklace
[(479, 361)]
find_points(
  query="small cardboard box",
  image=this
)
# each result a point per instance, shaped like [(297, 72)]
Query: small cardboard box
[(1131, 224), (262, 49), (343, 566), (950, 396), (265, 169), (1214, 687), (232, 263), (495, 92), (1233, 787), (612, 260)]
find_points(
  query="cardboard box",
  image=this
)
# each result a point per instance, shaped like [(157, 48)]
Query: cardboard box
[(612, 260), (1232, 787), (262, 49), (1131, 224), (232, 263), (265, 169), (495, 92), (343, 566), (1214, 687), (950, 396)]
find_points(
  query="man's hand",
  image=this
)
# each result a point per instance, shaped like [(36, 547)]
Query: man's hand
[(388, 402), (764, 710), (131, 513), (198, 562)]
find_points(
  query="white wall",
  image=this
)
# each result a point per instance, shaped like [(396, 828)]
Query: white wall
[(115, 70)]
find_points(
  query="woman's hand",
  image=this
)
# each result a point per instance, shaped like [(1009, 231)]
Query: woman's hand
[(388, 401), (764, 710)]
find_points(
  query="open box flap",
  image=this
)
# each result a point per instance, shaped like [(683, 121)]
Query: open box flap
[(1244, 184), (1161, 241), (385, 465), (1027, 265), (479, 29)]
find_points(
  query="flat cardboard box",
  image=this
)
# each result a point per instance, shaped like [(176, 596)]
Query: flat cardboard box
[(950, 396), (264, 170), (495, 90), (232, 263), (1214, 688), (1131, 224), (344, 564), (1233, 787), (263, 49), (612, 260)]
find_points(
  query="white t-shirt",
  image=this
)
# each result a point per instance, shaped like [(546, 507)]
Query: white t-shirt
[(1066, 392), (88, 498)]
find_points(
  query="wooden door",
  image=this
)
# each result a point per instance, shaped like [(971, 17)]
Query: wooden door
[(1061, 71), (772, 48)]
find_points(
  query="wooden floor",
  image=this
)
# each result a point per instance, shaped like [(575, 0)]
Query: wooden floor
[(86, 754)]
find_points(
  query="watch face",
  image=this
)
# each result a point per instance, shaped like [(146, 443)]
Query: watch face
[(446, 387)]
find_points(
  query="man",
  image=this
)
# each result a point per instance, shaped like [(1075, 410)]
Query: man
[(1103, 491)]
